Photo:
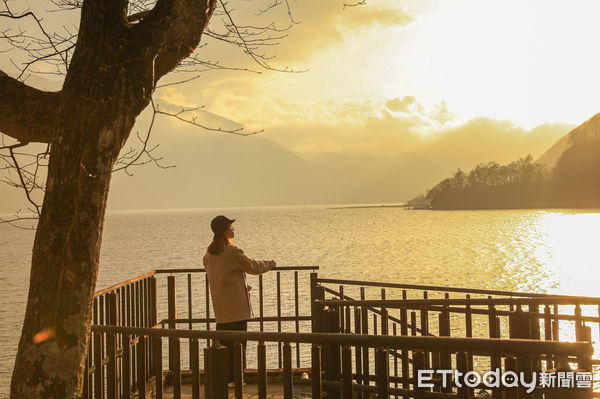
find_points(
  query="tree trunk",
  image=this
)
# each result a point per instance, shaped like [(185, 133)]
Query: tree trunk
[(110, 80), (66, 251)]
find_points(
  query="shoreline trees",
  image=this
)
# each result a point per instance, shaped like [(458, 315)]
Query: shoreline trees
[(573, 183)]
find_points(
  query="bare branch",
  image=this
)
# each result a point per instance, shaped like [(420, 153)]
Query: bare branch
[(248, 49), (132, 158), (17, 220), (358, 3), (11, 15), (193, 121)]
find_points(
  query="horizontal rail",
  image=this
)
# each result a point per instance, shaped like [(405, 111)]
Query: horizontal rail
[(124, 283), (167, 271), (442, 304), (445, 289), (480, 345), (256, 319), (499, 312), (400, 303), (201, 270)]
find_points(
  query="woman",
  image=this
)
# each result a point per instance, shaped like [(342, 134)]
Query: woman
[(226, 266)]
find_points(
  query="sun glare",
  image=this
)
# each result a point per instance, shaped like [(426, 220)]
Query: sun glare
[(565, 249), (532, 62)]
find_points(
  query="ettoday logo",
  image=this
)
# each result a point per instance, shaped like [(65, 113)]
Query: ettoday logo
[(507, 379)]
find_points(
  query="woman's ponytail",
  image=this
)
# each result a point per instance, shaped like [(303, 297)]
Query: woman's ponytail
[(217, 245)]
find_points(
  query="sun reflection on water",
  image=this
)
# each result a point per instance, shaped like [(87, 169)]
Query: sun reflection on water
[(568, 251)]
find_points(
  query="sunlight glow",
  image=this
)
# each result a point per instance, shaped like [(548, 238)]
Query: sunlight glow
[(531, 62)]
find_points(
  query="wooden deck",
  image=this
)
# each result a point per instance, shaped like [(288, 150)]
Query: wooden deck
[(274, 391), (302, 388)]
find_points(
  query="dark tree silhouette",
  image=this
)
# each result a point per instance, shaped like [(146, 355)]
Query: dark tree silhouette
[(520, 184)]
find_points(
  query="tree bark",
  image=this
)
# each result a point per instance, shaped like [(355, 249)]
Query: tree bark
[(18, 103), (110, 80), (54, 338)]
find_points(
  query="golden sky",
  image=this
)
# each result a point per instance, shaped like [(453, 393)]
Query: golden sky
[(455, 81), (397, 72)]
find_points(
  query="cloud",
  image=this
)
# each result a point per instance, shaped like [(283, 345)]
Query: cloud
[(400, 104), (318, 25), (373, 128), (327, 24)]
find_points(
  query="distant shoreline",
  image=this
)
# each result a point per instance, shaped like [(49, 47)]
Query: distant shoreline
[(371, 206)]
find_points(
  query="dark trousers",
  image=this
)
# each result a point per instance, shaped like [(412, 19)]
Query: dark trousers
[(233, 326)]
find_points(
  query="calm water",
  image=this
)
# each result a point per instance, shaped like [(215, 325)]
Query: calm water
[(543, 251)]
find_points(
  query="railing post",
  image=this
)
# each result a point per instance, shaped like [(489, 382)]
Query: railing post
[(111, 348), (176, 372), (495, 359), (382, 375), (238, 369), (172, 315), (126, 370), (157, 366), (215, 375), (358, 348), (288, 387), (195, 367), (208, 371), (207, 305), (535, 333), (404, 332), (385, 330), (424, 316), (469, 333), (510, 364), (317, 386), (153, 302), (261, 302), (141, 370), (445, 357), (418, 364), (548, 334), (578, 324), (332, 352), (462, 364), (584, 361), (366, 362), (520, 328), (98, 377), (347, 372), (153, 305), (316, 311), (262, 370)]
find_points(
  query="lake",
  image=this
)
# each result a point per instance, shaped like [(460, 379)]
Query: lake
[(553, 251)]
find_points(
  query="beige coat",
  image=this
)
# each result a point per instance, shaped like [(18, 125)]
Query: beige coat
[(228, 286)]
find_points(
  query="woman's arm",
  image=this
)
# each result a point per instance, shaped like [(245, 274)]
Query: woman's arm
[(250, 265)]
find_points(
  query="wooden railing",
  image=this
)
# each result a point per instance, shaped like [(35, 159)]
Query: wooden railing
[(473, 312), (513, 352), (156, 300), (488, 314), (144, 337), (131, 303)]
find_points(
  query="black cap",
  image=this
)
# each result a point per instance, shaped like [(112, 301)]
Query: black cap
[(220, 224)]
